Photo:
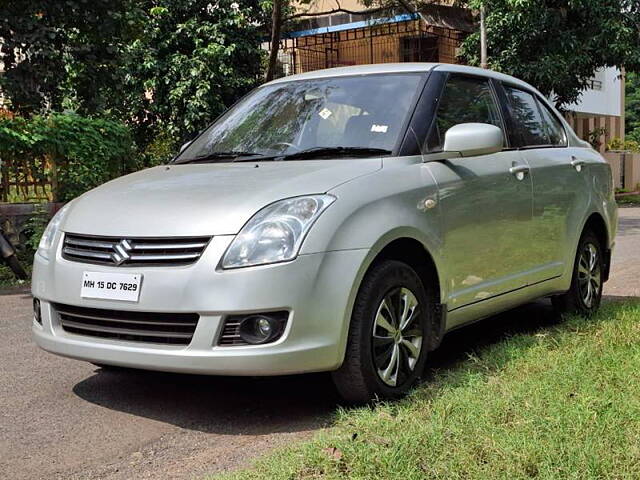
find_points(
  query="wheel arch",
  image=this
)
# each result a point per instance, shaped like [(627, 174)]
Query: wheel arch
[(597, 224), (412, 251)]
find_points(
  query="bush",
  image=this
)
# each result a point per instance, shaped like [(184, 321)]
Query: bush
[(73, 153), (159, 151), (35, 227), (628, 145)]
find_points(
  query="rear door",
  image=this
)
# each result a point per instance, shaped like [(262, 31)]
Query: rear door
[(485, 205), (558, 184)]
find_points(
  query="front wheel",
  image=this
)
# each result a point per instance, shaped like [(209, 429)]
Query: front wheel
[(585, 294), (387, 343)]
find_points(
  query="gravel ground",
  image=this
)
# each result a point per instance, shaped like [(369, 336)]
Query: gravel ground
[(64, 419)]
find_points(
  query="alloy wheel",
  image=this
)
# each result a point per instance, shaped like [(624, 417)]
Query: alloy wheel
[(397, 336), (589, 275)]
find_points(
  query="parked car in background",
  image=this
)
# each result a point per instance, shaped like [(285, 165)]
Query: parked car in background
[(341, 220)]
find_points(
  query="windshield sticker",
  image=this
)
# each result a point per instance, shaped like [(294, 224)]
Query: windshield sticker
[(379, 128), (325, 113)]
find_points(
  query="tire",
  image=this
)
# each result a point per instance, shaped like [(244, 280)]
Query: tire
[(367, 372), (15, 267), (585, 294)]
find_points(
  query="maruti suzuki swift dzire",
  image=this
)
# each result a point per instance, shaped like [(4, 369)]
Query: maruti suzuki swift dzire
[(341, 220)]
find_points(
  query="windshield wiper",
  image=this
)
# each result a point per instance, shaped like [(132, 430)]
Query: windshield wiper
[(335, 151), (219, 156)]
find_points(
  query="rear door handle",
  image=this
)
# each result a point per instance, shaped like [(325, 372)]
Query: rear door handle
[(519, 171), (577, 164)]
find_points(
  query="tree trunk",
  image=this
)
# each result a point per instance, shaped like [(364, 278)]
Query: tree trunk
[(483, 39), (276, 27)]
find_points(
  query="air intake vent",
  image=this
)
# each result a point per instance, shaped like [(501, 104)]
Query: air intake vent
[(231, 333), (168, 328), (120, 251)]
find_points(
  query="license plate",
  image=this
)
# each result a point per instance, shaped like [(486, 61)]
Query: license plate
[(111, 286)]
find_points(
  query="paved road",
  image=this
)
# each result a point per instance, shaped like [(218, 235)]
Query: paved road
[(63, 419), (625, 272)]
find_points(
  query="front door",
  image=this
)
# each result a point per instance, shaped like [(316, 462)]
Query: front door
[(485, 202)]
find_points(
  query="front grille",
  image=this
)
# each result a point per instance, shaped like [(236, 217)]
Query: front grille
[(121, 251), (168, 328)]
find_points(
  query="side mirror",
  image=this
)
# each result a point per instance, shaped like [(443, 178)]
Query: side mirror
[(473, 139)]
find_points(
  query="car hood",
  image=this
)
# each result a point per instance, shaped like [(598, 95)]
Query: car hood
[(202, 199)]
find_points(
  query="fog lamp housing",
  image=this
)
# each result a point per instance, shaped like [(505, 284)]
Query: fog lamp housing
[(260, 329), (253, 329)]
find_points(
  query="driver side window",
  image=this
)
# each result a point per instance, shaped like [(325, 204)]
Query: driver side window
[(464, 100)]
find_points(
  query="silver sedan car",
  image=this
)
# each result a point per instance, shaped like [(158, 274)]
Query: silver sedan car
[(341, 220)]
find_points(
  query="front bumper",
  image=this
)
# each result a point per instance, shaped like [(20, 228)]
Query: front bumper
[(317, 290)]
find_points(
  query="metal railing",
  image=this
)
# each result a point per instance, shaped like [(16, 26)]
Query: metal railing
[(406, 41)]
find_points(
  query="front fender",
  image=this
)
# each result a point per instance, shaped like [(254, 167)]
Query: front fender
[(372, 211)]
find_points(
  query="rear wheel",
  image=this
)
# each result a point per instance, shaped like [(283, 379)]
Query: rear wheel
[(585, 294), (387, 344)]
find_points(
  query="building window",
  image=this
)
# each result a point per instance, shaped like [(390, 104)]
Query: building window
[(594, 84)]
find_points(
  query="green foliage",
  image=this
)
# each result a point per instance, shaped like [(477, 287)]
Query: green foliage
[(628, 145), (78, 153), (557, 45), (190, 62), (65, 53), (633, 106), (628, 200), (35, 226), (161, 149), (166, 67), (594, 137)]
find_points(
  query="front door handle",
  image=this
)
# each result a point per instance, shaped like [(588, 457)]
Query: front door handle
[(519, 171), (577, 164)]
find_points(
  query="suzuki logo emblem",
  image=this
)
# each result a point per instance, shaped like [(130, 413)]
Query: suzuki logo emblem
[(122, 252)]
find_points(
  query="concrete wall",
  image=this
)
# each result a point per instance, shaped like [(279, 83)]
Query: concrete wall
[(625, 168), (606, 100)]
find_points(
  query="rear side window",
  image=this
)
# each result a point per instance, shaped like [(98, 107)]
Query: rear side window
[(534, 124), (527, 118), (555, 130), (464, 100)]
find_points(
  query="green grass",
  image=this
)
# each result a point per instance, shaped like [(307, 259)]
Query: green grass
[(628, 200), (561, 400)]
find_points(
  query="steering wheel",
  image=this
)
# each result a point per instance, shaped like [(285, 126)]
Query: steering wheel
[(285, 144)]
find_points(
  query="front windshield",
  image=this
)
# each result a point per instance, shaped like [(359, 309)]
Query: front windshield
[(365, 111)]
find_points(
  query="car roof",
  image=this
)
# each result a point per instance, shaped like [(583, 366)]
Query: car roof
[(400, 68)]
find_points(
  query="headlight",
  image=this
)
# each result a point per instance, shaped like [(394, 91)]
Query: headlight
[(49, 235), (276, 232)]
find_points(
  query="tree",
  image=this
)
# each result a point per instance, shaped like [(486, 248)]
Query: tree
[(557, 45), (191, 62), (276, 28), (633, 106), (63, 54)]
